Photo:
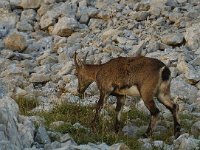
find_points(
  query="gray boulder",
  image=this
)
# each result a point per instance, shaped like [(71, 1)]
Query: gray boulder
[(42, 136), (9, 125), (60, 9), (30, 3), (186, 142), (8, 19), (173, 39), (16, 41), (189, 71), (65, 26), (192, 36), (180, 88), (24, 26), (195, 129)]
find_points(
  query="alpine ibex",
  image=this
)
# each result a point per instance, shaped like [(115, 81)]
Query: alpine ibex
[(133, 76)]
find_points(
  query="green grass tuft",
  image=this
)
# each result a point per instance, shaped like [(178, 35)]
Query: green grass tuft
[(104, 131), (26, 104)]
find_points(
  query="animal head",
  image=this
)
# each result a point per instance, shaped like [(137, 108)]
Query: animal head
[(82, 74)]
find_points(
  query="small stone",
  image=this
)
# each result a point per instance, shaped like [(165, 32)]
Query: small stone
[(15, 41), (65, 26), (173, 39), (42, 136), (28, 15), (195, 129), (192, 36), (53, 145), (20, 92), (39, 77), (24, 26), (186, 142), (84, 18), (119, 146), (30, 3), (56, 124), (140, 15)]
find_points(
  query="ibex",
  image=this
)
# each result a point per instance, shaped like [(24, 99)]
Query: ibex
[(133, 76)]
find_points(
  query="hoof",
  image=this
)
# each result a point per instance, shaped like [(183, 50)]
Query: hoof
[(145, 135), (177, 134)]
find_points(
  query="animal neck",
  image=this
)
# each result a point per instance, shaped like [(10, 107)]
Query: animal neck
[(92, 71)]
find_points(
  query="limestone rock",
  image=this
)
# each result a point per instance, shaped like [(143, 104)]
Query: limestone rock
[(15, 41), (172, 39), (3, 31), (192, 36), (186, 142), (67, 68), (8, 118), (65, 26), (61, 9), (39, 77), (42, 136), (8, 20), (140, 16), (187, 92), (26, 131), (188, 70), (195, 129), (30, 3), (24, 26), (28, 15)]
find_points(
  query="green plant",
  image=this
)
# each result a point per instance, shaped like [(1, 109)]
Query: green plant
[(26, 104)]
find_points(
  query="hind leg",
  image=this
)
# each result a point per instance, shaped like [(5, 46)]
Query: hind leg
[(147, 94), (120, 103), (169, 104), (154, 111)]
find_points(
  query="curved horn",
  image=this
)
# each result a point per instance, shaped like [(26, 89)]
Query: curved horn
[(75, 59), (85, 58)]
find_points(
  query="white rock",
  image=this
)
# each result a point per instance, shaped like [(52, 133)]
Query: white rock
[(188, 70), (28, 15), (196, 61), (186, 142), (20, 92), (140, 15), (35, 77), (67, 68), (181, 1), (26, 130), (24, 26), (42, 136), (195, 129), (183, 90), (8, 20), (30, 3), (16, 41), (8, 118), (172, 39), (158, 144), (192, 36), (65, 26)]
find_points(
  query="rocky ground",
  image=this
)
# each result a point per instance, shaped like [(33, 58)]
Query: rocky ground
[(39, 37)]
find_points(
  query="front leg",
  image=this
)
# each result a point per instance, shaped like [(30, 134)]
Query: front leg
[(99, 106), (120, 103)]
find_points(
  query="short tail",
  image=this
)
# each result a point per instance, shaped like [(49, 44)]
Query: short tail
[(166, 74)]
